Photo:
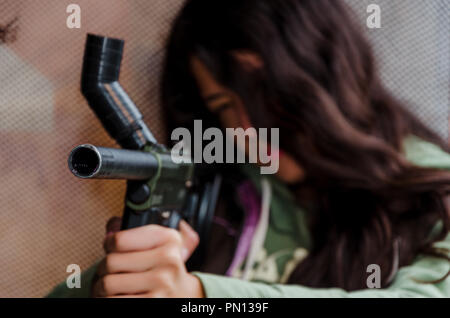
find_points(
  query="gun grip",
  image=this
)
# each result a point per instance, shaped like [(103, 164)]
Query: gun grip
[(132, 219)]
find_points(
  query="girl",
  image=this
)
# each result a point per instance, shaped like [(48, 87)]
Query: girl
[(360, 199)]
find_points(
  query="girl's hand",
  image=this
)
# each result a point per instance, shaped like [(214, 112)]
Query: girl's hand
[(148, 262)]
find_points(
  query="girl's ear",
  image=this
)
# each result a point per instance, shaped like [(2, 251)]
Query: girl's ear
[(250, 61)]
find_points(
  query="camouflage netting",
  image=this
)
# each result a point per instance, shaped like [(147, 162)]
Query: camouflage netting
[(50, 219)]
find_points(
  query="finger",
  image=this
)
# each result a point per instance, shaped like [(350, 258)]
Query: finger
[(121, 284), (131, 284), (129, 296), (190, 240), (113, 225), (142, 261), (141, 238)]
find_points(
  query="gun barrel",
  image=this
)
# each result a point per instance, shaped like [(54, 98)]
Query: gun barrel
[(91, 162)]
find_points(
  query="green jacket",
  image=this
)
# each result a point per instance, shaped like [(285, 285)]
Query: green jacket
[(287, 242)]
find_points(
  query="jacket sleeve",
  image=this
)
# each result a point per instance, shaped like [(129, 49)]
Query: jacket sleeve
[(406, 284)]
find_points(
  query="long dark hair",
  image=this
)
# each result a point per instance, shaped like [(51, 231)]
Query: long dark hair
[(319, 85)]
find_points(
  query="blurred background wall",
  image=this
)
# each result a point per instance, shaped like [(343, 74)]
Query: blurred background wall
[(48, 218)]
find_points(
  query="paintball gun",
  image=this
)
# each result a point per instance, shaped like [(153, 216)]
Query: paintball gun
[(159, 191)]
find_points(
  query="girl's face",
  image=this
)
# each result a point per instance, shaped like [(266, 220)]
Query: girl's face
[(232, 114)]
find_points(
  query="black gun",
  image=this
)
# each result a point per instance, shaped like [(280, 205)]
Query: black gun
[(159, 191)]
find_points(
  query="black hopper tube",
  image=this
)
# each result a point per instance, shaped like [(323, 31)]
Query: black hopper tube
[(100, 86)]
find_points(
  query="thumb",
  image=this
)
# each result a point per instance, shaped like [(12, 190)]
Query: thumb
[(113, 225), (190, 239)]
